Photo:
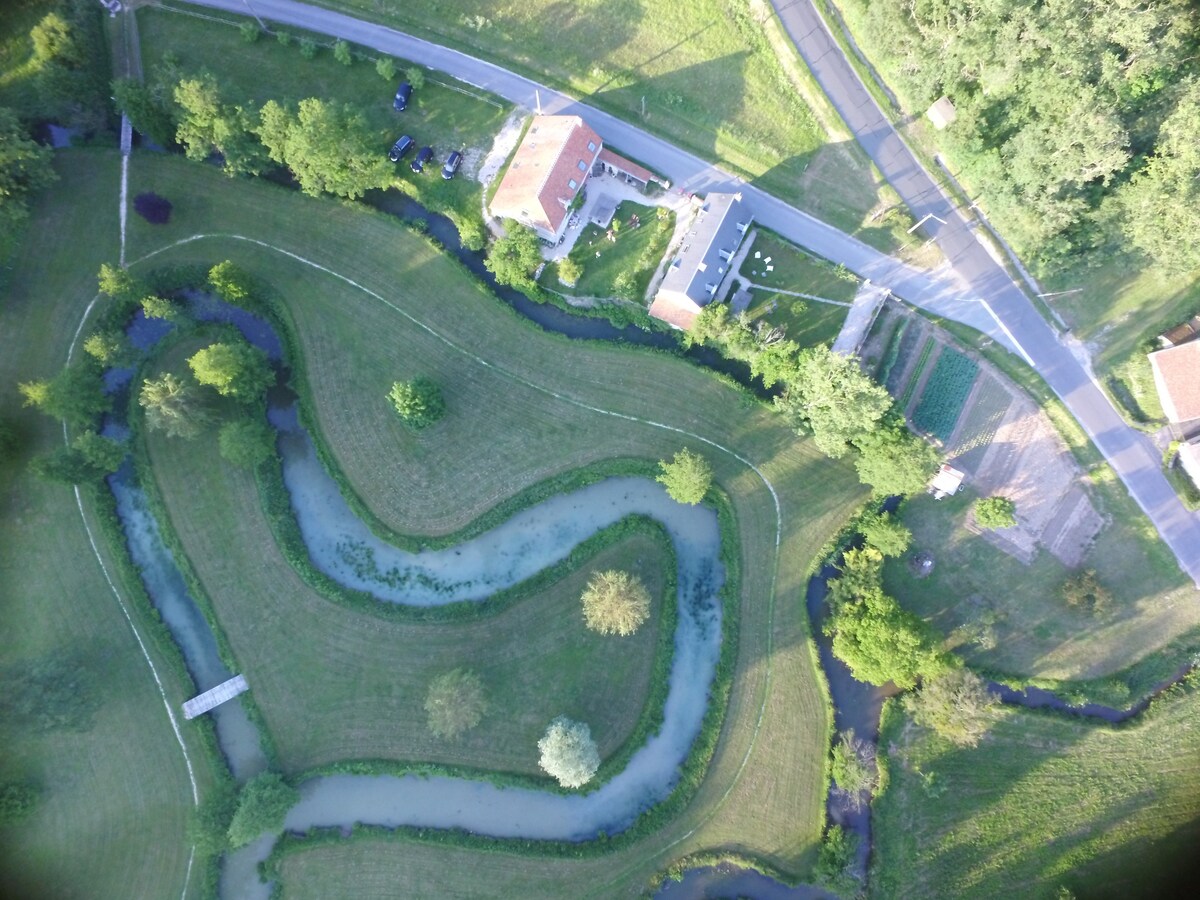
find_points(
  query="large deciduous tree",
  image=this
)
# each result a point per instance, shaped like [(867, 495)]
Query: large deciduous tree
[(76, 394), (514, 257), (418, 402), (208, 123), (957, 705), (568, 752), (834, 399), (174, 406), (329, 148), (262, 806)]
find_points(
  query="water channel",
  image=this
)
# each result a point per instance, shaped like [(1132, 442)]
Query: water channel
[(343, 547)]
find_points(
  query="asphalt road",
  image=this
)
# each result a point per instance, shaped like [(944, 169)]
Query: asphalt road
[(975, 291), (1129, 451)]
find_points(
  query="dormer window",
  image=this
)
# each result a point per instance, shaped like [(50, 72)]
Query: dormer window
[(592, 146), (572, 184), (582, 166)]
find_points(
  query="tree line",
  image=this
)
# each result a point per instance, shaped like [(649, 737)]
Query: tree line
[(1079, 122)]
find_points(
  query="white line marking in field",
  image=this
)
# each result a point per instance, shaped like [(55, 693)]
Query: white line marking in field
[(517, 378)]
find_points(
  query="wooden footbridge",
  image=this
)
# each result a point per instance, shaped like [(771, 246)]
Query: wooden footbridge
[(212, 698)]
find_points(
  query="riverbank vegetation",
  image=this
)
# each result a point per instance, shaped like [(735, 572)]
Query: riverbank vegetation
[(557, 410)]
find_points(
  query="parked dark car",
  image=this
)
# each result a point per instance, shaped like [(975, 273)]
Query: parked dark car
[(402, 95), (426, 154), (453, 161), (401, 147)]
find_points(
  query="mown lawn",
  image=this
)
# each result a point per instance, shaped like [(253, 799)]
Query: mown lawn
[(795, 270), (1046, 801), (636, 251), (338, 684), (441, 114), (807, 322), (115, 796), (538, 409)]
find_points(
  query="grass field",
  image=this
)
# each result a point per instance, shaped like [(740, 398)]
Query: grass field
[(976, 589), (442, 114), (764, 794), (338, 684), (116, 797), (1045, 801), (637, 251)]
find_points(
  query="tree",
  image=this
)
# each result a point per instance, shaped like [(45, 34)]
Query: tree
[(341, 52), (246, 442), (208, 829), (455, 703), (53, 41), (385, 67), (885, 534), (89, 458), (569, 271), (1084, 591), (687, 477), (330, 149), (76, 394), (419, 402), (861, 571), (109, 347), (173, 406), (833, 398), (208, 123), (147, 113), (568, 752), (894, 461), (119, 283), (881, 641), (957, 705), (415, 76), (834, 868), (995, 512), (854, 768), (230, 283), (24, 170), (235, 369), (513, 258), (262, 806), (615, 603), (155, 307)]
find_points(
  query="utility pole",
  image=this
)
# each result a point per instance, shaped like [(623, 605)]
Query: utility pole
[(538, 96), (925, 219)]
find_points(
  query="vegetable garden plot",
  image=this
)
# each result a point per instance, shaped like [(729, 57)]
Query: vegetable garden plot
[(945, 393)]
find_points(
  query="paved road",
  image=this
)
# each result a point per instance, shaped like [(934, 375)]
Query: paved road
[(975, 290), (1129, 451)]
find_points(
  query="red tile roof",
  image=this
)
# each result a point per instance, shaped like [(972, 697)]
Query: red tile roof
[(621, 164), (674, 309), (1177, 377), (536, 189)]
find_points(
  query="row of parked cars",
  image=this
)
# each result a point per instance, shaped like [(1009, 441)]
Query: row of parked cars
[(425, 154)]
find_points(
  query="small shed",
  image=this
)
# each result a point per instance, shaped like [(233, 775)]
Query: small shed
[(942, 113), (946, 482)]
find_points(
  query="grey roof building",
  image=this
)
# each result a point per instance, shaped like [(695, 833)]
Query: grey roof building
[(699, 267)]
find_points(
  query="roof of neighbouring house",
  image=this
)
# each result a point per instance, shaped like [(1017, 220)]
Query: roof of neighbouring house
[(675, 309), (536, 189), (1177, 377), (699, 263)]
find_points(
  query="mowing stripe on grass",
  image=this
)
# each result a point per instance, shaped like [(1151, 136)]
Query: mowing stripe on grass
[(537, 387)]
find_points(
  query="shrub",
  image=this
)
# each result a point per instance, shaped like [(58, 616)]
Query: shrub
[(262, 806), (1084, 591), (308, 48), (250, 32), (569, 271), (160, 308), (341, 52), (854, 769), (615, 603), (154, 209), (246, 442), (455, 703), (284, 38), (386, 67), (568, 752), (995, 512), (687, 478), (415, 76)]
